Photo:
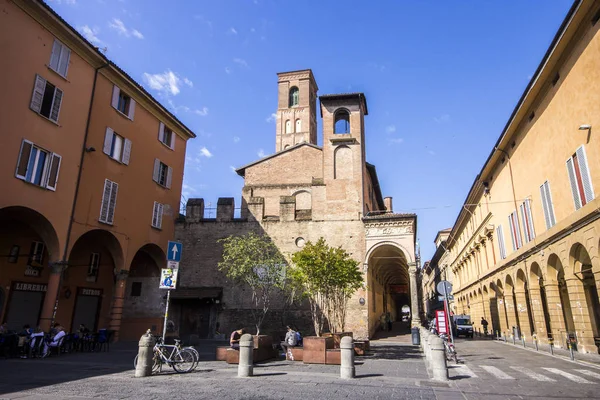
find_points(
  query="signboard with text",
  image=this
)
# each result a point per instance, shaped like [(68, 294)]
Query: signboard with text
[(441, 322), (168, 278)]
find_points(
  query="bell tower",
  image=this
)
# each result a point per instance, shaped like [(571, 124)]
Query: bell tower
[(296, 109)]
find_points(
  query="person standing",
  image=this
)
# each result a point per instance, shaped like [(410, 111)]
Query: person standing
[(484, 324)]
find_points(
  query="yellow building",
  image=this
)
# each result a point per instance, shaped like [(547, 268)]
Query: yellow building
[(524, 248)]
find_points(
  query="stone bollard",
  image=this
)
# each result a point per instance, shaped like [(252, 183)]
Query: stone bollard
[(145, 358), (245, 366), (347, 358), (438, 359)]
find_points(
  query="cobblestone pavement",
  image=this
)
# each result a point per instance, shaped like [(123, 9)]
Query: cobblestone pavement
[(490, 370)]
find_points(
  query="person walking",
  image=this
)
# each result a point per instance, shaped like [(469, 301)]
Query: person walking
[(484, 324)]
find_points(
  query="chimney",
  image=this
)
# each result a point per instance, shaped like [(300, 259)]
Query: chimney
[(194, 210), (225, 208), (387, 202)]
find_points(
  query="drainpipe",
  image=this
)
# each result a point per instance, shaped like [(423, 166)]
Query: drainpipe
[(64, 260)]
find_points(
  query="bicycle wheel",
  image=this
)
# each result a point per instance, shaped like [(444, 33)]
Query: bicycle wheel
[(196, 356), (135, 362), (184, 361), (155, 363)]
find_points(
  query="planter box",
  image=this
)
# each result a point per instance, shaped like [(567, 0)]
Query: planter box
[(333, 357), (295, 354), (314, 351)]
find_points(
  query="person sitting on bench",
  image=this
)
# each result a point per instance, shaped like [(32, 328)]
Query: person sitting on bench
[(289, 341), (234, 339)]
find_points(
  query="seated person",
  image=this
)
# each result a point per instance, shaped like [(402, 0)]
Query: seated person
[(56, 340), (298, 338), (234, 339), (289, 341)]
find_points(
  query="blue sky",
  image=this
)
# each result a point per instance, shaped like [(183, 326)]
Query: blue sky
[(441, 79)]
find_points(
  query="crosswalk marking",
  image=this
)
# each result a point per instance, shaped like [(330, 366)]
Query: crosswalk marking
[(589, 373), (533, 375), (567, 375), (496, 372), (462, 370)]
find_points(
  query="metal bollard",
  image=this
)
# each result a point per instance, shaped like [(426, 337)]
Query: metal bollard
[(438, 359), (245, 366), (523, 339), (514, 339), (536, 345), (571, 352), (551, 349), (347, 358), (145, 357)]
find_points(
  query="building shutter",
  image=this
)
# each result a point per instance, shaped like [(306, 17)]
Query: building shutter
[(155, 214), (172, 140), (545, 205), (112, 203), (115, 97), (38, 94), (527, 221), (24, 155), (511, 228), (108, 137), (126, 152), (58, 95), (549, 203), (131, 108), (161, 132), (524, 221), (585, 174), (156, 172), (55, 57), (63, 65), (573, 180), (105, 201), (169, 177), (501, 247), (53, 168), (159, 216)]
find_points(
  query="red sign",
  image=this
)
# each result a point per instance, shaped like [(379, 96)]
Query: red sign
[(399, 288), (441, 322)]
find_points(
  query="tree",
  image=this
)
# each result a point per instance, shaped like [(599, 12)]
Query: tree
[(328, 276), (254, 260)]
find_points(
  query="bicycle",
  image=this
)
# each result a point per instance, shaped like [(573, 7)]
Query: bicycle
[(180, 359), (449, 349)]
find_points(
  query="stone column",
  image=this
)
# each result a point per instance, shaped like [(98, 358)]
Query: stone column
[(557, 319), (502, 314), (581, 316), (523, 313), (538, 314), (50, 306), (414, 295), (511, 313), (116, 312)]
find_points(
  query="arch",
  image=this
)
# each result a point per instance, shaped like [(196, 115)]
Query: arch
[(341, 121), (303, 200), (13, 217), (582, 265), (286, 146), (556, 275), (298, 125), (342, 163), (294, 97), (405, 252), (288, 126), (521, 281)]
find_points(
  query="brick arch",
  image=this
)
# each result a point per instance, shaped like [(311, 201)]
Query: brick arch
[(342, 163)]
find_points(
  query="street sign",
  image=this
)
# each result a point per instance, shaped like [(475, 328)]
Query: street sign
[(444, 287), (168, 278), (440, 321), (172, 264), (174, 251), (450, 297)]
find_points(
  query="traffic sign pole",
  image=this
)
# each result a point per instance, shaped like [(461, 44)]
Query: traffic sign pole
[(166, 314), (448, 314)]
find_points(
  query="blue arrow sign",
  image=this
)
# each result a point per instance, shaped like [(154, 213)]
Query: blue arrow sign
[(174, 251)]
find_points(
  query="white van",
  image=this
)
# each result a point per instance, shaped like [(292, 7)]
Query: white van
[(462, 325)]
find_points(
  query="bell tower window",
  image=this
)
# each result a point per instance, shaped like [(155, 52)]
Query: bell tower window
[(342, 122), (294, 97), (288, 126), (298, 126)]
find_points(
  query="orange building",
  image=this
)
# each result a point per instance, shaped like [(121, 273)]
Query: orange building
[(91, 170)]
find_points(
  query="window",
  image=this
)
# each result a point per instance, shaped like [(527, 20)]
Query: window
[(288, 126), (157, 215), (342, 122), (294, 97), (109, 201), (13, 256), (165, 136), (501, 247), (162, 174), (59, 60), (117, 147), (46, 99), (38, 166), (136, 289), (36, 254), (547, 205), (123, 103), (94, 263), (579, 176), (515, 231), (527, 221), (298, 125)]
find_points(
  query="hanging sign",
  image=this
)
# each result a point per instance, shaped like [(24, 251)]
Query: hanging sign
[(168, 278)]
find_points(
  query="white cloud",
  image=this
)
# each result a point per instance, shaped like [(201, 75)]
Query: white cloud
[(227, 70), (232, 31), (137, 34), (397, 140), (241, 62), (232, 168), (204, 152), (90, 34), (442, 118), (271, 118), (188, 188), (167, 82), (390, 129), (261, 153), (236, 139), (203, 112), (188, 82)]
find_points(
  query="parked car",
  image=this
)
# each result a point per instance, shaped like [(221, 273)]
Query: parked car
[(462, 325)]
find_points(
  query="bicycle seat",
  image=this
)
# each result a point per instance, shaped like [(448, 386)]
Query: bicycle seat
[(177, 341)]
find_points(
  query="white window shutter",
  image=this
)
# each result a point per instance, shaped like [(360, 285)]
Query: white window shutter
[(545, 205), (529, 219), (56, 102), (55, 57), (524, 221), (169, 177), (108, 138), (23, 161), (126, 152), (159, 216), (115, 97), (161, 132), (501, 247), (131, 108), (105, 201), (172, 146), (156, 170), (53, 169), (38, 94), (573, 180), (110, 216), (550, 204), (155, 214), (63, 65), (511, 228), (585, 174)]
